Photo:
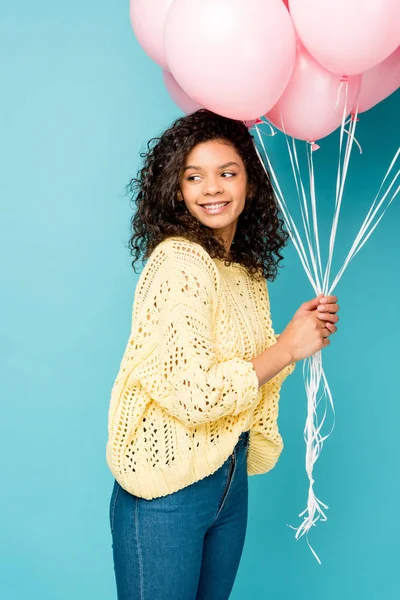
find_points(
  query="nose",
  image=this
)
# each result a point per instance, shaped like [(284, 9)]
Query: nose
[(212, 186)]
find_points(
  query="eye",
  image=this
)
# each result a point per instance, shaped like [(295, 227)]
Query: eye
[(192, 177)]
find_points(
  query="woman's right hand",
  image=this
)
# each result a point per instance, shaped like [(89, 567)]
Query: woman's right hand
[(304, 336)]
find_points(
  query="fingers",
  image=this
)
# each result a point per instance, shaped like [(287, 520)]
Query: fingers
[(324, 303), (332, 308), (332, 328), (312, 304), (325, 332), (332, 318), (328, 329), (326, 312), (328, 299)]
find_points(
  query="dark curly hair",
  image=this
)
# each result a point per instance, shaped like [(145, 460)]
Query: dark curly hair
[(259, 235)]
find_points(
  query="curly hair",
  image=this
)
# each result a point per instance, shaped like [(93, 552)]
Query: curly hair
[(260, 232)]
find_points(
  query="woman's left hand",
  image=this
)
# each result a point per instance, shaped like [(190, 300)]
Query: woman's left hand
[(326, 308)]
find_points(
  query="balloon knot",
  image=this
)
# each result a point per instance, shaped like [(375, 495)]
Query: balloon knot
[(353, 118), (258, 122), (344, 78), (314, 146)]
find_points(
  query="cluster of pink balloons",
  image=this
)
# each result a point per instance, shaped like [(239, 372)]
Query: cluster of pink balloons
[(282, 59)]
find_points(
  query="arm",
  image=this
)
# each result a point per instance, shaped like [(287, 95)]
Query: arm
[(266, 442), (271, 362), (179, 368)]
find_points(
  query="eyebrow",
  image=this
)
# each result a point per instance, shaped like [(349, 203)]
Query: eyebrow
[(228, 164)]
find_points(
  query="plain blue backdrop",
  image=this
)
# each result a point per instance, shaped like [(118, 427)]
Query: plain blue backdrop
[(79, 101)]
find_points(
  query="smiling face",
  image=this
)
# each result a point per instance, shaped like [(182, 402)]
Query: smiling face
[(215, 174)]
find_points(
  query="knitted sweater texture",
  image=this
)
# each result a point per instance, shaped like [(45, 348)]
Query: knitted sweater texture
[(186, 388)]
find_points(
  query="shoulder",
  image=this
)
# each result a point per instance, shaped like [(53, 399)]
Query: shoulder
[(177, 264), (179, 252)]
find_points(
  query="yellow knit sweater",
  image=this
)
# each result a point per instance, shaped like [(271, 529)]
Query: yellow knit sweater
[(186, 388)]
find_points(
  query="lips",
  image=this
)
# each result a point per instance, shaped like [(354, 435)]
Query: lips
[(213, 203)]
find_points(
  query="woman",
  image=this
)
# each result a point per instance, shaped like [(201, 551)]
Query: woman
[(194, 406)]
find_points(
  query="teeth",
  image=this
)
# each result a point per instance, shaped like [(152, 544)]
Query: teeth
[(215, 205)]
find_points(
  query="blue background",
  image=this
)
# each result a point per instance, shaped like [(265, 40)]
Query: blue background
[(79, 101)]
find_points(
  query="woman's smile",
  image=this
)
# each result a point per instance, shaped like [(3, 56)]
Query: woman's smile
[(215, 208)]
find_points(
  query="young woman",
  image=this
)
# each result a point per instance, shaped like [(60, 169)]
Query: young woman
[(194, 407)]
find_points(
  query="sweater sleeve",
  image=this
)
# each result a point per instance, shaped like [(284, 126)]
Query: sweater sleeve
[(181, 370), (266, 441)]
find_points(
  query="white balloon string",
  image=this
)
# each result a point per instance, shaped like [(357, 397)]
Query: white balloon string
[(359, 242), (303, 209), (338, 176), (291, 226), (313, 438), (373, 228), (342, 81), (316, 434), (340, 181), (312, 432), (355, 141), (313, 372), (303, 206), (370, 216), (272, 130), (303, 194), (312, 428), (314, 208)]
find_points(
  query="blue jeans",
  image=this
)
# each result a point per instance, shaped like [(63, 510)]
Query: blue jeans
[(186, 545)]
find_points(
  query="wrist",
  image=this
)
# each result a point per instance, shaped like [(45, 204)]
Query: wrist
[(286, 351)]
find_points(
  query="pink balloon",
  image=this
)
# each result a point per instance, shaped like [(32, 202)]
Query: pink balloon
[(148, 20), (379, 82), (234, 57), (308, 104), (347, 37), (181, 99)]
